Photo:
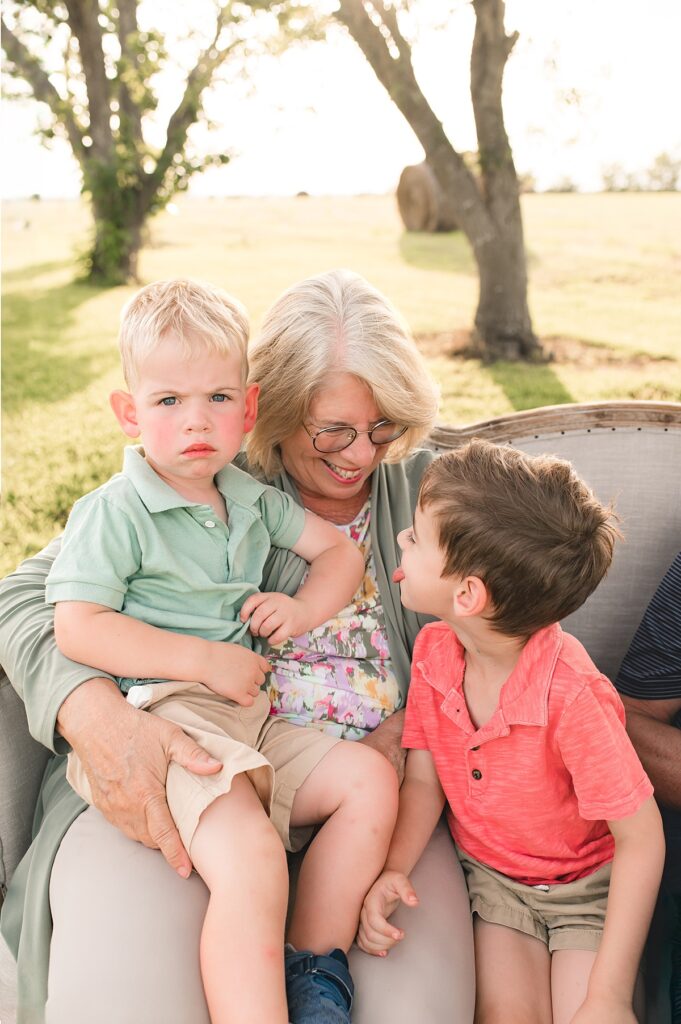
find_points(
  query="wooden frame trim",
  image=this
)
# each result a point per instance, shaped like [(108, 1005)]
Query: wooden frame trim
[(565, 419)]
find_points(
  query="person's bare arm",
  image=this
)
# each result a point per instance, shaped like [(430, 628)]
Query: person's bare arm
[(636, 872), (336, 570), (124, 646), (658, 744), (125, 754), (421, 802)]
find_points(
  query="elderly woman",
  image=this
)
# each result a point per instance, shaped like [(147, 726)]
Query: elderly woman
[(345, 401)]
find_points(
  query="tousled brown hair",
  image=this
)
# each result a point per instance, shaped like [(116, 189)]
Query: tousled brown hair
[(527, 526)]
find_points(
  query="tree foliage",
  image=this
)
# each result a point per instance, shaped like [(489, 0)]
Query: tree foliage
[(94, 66)]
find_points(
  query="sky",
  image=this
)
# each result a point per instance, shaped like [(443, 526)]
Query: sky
[(590, 83)]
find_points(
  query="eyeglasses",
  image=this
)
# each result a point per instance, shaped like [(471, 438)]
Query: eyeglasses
[(335, 439)]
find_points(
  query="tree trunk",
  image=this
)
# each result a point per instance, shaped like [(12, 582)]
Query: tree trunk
[(503, 328), (488, 213), (119, 219)]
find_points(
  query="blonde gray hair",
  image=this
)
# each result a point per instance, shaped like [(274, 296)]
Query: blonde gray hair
[(328, 324), (201, 316)]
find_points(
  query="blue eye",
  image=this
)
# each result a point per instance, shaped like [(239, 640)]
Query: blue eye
[(170, 400), (219, 398)]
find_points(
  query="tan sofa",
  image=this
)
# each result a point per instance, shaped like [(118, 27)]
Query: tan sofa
[(629, 452)]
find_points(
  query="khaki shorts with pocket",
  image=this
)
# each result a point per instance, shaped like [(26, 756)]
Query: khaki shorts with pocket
[(276, 756), (567, 915)]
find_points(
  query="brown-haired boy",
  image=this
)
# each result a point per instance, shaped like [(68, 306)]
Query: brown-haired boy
[(510, 722)]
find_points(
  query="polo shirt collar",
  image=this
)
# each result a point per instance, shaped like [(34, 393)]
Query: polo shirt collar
[(158, 496), (525, 694)]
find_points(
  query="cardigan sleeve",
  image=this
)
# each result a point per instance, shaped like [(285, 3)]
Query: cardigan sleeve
[(39, 673)]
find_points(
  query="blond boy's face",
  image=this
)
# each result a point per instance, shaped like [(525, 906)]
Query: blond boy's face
[(190, 413), (422, 585)]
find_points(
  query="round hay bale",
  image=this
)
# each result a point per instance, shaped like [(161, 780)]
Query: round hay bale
[(421, 202)]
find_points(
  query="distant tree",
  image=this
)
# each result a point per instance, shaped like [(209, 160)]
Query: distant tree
[(488, 212), (564, 184), (614, 178), (93, 67), (665, 173)]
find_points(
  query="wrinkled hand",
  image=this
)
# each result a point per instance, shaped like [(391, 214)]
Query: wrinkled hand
[(604, 1010), (387, 739), (233, 671), (125, 754), (376, 935), (276, 616)]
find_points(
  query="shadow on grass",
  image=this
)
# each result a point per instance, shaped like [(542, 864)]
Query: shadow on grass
[(449, 251), (36, 363), (528, 386), (28, 273)]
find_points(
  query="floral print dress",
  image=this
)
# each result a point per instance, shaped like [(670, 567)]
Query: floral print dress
[(339, 677)]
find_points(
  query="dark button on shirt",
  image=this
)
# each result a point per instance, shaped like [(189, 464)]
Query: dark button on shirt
[(476, 773)]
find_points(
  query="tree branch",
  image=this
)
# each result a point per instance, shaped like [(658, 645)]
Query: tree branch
[(396, 74), (491, 48), (184, 116), (83, 18), (128, 110), (32, 70)]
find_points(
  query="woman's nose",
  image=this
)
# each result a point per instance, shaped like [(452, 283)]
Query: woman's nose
[(401, 539), (363, 451)]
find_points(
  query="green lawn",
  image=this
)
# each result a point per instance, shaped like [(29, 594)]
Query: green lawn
[(604, 296)]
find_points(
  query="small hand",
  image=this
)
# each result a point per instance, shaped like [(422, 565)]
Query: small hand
[(376, 935), (605, 1010), (234, 672), (275, 616)]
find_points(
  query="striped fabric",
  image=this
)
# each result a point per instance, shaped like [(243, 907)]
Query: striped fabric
[(651, 669)]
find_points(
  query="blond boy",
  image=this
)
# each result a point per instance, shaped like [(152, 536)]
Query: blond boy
[(157, 584), (511, 724)]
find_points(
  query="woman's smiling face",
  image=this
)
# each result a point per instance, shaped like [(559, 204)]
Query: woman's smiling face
[(342, 477)]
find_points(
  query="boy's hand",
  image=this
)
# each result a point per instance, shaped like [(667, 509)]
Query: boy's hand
[(604, 1010), (376, 935), (234, 671), (276, 616)]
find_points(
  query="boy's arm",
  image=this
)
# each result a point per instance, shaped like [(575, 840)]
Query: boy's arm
[(421, 802), (124, 646), (636, 872), (336, 570)]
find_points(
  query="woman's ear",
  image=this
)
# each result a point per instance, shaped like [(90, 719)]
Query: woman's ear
[(123, 405), (471, 597)]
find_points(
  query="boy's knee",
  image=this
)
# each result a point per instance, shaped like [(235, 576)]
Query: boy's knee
[(374, 779)]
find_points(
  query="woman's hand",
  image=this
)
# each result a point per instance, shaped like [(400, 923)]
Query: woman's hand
[(605, 1010), (125, 754), (387, 738), (376, 935)]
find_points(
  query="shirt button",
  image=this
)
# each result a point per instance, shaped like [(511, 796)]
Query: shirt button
[(475, 748), (209, 524), (476, 773)]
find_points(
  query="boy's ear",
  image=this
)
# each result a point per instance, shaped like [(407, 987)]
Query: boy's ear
[(123, 405), (471, 597), (251, 407)]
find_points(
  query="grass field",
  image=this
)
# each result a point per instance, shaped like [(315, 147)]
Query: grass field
[(604, 294)]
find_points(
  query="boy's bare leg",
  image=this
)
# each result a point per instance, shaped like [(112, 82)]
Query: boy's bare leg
[(353, 790), (240, 857), (512, 976), (570, 972)]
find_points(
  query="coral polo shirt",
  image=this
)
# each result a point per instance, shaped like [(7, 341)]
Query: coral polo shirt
[(530, 791)]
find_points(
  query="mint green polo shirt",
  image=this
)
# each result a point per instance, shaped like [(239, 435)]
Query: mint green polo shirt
[(137, 546)]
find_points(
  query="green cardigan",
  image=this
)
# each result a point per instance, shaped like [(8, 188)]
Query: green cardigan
[(43, 678)]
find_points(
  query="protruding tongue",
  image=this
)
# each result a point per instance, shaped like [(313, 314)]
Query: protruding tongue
[(398, 575)]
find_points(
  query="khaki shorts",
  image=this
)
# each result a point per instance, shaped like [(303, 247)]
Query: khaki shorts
[(564, 916), (276, 756)]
